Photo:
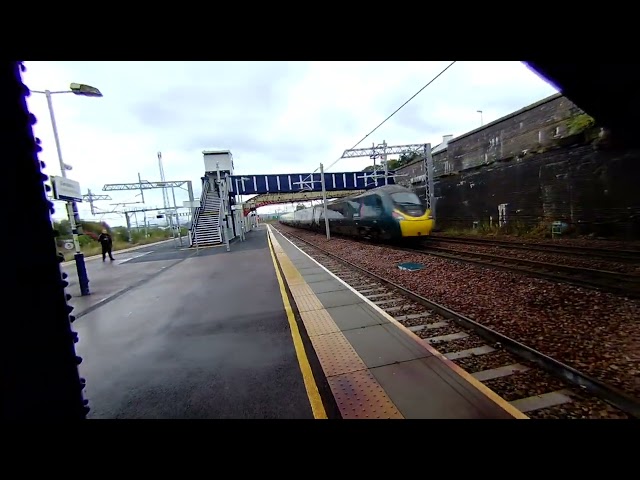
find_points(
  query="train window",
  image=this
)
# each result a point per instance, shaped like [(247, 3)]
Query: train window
[(353, 208), (405, 198), (338, 209), (347, 209), (371, 206)]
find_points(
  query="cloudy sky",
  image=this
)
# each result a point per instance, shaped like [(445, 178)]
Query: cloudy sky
[(275, 117)]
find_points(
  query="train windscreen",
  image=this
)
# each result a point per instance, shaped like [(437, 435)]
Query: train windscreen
[(409, 203)]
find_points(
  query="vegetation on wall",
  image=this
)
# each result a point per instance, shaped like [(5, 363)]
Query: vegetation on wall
[(511, 229), (580, 123), (585, 128)]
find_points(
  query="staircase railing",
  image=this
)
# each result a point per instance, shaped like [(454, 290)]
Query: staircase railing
[(196, 216)]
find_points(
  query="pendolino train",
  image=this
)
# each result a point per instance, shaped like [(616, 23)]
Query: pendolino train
[(390, 213)]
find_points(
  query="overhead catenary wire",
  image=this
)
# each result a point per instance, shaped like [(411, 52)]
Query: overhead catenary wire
[(396, 111)]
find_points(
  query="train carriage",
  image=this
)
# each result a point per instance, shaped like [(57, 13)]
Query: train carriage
[(390, 212)]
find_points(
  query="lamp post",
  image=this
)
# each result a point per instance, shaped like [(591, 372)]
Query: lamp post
[(72, 209)]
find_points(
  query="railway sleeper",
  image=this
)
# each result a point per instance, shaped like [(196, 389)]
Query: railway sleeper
[(389, 300), (446, 338), (525, 404), (393, 309), (418, 328), (538, 402), (371, 290), (414, 316), (469, 352), (379, 295)]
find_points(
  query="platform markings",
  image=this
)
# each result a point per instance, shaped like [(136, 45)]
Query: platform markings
[(356, 391), (310, 386), (120, 262), (92, 258)]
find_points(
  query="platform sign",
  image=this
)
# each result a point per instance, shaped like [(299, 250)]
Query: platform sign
[(66, 189)]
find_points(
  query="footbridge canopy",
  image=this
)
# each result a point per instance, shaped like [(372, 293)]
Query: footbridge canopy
[(295, 197)]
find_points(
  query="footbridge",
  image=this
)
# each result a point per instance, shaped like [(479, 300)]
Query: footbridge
[(307, 182), (221, 215), (302, 187)]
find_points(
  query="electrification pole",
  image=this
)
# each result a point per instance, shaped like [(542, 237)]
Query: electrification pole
[(324, 202)]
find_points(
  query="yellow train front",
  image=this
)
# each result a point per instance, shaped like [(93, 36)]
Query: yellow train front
[(390, 212)]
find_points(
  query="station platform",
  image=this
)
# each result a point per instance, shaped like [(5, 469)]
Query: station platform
[(375, 367), (259, 332), (171, 333)]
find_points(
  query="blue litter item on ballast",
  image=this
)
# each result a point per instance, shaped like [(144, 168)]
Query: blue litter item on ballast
[(411, 266)]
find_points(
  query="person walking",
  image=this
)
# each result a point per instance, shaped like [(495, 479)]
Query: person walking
[(107, 243)]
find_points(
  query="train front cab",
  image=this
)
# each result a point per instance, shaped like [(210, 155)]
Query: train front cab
[(413, 218), (393, 215)]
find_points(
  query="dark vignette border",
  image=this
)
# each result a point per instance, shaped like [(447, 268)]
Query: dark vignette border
[(41, 377)]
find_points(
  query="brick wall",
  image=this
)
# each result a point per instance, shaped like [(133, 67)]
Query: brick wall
[(494, 164), (594, 191), (532, 127)]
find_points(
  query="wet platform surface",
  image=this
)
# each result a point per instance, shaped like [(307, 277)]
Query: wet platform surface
[(196, 336), (128, 269), (375, 367)]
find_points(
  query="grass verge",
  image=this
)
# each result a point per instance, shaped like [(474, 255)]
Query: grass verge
[(94, 248)]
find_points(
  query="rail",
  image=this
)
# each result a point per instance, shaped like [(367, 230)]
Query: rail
[(632, 256), (615, 282)]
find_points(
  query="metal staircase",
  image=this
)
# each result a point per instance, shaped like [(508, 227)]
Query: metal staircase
[(205, 229)]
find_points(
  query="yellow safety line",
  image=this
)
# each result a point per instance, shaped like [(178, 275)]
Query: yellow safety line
[(317, 406)]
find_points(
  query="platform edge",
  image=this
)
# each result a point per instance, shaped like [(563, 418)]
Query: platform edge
[(317, 407), (494, 397), (359, 383)]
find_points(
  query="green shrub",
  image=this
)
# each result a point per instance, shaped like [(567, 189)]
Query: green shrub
[(120, 233), (580, 123), (514, 228), (85, 240)]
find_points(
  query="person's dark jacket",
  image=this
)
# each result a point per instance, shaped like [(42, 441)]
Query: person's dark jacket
[(105, 240)]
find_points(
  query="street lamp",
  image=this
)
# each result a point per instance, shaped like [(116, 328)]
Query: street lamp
[(481, 122), (85, 91)]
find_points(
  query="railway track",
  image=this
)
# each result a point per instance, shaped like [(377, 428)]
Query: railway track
[(615, 282), (536, 384), (622, 256)]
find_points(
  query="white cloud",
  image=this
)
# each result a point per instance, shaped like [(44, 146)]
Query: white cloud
[(274, 117)]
